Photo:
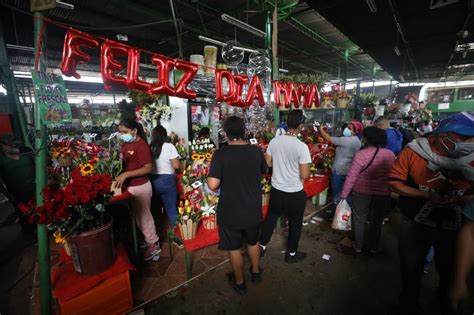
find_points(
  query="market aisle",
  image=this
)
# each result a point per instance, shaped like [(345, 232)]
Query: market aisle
[(346, 284)]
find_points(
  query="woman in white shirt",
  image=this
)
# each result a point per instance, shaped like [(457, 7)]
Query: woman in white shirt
[(163, 179)]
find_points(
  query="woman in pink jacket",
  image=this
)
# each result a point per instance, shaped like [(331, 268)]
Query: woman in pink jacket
[(366, 180)]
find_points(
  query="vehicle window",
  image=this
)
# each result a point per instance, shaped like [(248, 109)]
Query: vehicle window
[(441, 96), (466, 93)]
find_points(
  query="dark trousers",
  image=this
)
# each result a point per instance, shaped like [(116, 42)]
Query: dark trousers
[(292, 206), (367, 218), (414, 244)]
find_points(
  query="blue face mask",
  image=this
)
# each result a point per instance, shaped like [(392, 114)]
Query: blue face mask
[(347, 132), (126, 137)]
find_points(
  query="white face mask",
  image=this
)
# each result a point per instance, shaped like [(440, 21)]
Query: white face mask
[(347, 132), (460, 148)]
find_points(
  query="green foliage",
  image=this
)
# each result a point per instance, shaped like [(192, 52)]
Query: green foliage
[(318, 78), (142, 98), (369, 99), (127, 110)]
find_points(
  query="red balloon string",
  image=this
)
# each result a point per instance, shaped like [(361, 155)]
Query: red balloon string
[(47, 20)]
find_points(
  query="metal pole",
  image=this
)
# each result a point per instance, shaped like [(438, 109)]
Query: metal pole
[(40, 169), (275, 71)]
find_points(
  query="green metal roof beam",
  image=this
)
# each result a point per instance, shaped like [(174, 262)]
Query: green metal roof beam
[(320, 39)]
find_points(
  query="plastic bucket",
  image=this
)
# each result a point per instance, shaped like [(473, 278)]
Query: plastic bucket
[(93, 252), (323, 197)]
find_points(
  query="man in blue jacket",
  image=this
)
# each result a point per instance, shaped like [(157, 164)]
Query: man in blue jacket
[(394, 136)]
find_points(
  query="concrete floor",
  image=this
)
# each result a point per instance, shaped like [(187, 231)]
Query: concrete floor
[(346, 284)]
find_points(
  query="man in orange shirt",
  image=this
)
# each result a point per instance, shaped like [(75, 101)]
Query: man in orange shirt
[(435, 178)]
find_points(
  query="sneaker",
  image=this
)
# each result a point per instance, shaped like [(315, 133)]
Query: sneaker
[(262, 250), (241, 289), (299, 256), (152, 251), (178, 243), (255, 277)]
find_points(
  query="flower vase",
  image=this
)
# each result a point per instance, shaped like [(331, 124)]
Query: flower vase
[(342, 102), (188, 229), (116, 191), (209, 223), (93, 251), (265, 200)]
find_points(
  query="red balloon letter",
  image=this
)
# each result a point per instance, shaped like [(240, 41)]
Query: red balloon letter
[(133, 82), (294, 97), (165, 65), (220, 97), (72, 53), (278, 89), (109, 65), (240, 80), (190, 70), (255, 91)]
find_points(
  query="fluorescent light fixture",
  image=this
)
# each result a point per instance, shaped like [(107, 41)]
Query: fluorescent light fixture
[(238, 23), (371, 5), (19, 47), (283, 70), (353, 79), (397, 50), (461, 66), (122, 37), (219, 43), (466, 46), (64, 5)]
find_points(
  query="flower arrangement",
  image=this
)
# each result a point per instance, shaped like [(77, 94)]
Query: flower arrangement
[(196, 172), (188, 218), (322, 152), (179, 144), (266, 188), (75, 207), (202, 149), (151, 113)]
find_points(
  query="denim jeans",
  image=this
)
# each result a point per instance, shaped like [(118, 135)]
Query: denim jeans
[(165, 186), (337, 185)]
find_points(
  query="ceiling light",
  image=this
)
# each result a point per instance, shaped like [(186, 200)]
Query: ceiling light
[(122, 37), (247, 27), (64, 5), (19, 47), (397, 50), (371, 5)]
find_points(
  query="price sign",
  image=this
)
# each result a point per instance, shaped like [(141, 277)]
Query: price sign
[(50, 96)]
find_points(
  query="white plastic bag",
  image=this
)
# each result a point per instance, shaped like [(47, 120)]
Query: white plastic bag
[(342, 218)]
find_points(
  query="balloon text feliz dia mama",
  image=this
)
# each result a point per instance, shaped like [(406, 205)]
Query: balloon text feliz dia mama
[(285, 94)]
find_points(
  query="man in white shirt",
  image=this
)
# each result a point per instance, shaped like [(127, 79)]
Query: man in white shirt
[(291, 160)]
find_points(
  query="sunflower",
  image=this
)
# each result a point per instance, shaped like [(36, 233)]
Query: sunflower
[(87, 169), (58, 239)]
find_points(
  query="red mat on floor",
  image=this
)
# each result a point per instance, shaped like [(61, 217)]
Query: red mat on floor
[(316, 184), (203, 238), (67, 283)]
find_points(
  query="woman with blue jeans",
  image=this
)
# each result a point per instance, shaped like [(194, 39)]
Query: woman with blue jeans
[(346, 147), (163, 177)]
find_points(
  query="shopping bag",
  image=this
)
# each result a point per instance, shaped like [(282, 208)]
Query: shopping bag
[(342, 218)]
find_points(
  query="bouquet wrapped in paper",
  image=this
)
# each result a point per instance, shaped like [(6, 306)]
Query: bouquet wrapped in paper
[(188, 219)]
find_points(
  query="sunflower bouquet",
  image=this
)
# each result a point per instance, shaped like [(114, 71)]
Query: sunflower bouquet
[(202, 149)]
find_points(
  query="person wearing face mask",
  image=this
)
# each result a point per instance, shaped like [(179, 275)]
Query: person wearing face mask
[(346, 148), (137, 164), (435, 179)]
